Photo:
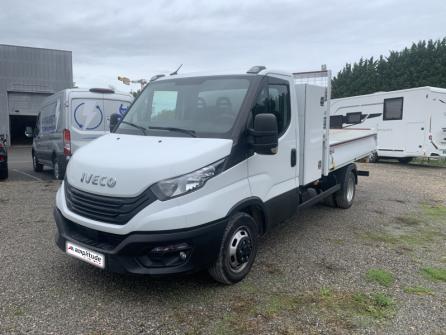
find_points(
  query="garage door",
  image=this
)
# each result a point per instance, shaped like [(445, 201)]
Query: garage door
[(25, 103)]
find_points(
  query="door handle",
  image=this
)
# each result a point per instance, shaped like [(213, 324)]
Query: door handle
[(293, 157)]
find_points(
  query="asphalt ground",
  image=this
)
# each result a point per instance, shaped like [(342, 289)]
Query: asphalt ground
[(375, 268), (20, 165)]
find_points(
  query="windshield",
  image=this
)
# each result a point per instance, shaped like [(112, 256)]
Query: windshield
[(199, 106)]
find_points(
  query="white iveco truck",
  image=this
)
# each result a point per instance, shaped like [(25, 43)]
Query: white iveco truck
[(199, 167)]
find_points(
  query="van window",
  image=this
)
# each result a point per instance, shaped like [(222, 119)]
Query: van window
[(87, 114), (393, 109), (274, 99)]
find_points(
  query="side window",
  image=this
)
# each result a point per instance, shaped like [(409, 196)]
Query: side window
[(393, 109), (274, 98), (164, 105)]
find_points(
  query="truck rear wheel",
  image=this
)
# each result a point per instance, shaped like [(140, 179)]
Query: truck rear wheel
[(344, 197), (237, 250)]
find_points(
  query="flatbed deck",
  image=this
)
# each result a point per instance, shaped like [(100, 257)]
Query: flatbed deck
[(348, 145)]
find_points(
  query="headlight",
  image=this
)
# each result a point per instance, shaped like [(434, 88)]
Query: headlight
[(174, 187)]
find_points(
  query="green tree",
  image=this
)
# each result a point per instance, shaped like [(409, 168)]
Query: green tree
[(423, 64)]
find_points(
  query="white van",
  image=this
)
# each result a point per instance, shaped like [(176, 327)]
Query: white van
[(410, 123), (70, 119), (199, 167)]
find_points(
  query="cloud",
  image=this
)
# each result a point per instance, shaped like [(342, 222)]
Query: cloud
[(142, 38)]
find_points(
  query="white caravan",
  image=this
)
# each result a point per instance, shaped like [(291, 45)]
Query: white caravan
[(199, 167), (70, 119), (410, 123)]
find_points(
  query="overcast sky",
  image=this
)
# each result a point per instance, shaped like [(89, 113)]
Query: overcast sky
[(142, 38)]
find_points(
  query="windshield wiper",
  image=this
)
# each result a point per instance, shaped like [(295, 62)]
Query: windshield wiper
[(136, 126), (180, 130)]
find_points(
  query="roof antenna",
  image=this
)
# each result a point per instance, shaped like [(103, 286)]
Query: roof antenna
[(176, 71)]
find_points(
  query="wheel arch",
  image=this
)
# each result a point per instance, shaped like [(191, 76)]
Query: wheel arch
[(255, 207)]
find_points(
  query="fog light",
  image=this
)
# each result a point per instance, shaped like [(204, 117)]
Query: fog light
[(183, 255)]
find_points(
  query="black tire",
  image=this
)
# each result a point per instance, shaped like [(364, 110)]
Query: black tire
[(58, 169), (405, 160), (37, 167), (345, 196), (4, 174), (232, 266)]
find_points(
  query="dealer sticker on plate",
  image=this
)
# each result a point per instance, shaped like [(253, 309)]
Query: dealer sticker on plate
[(86, 255)]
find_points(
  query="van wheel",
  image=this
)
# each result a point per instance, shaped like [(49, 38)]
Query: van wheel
[(405, 160), (58, 171), (238, 250), (344, 197), (37, 167)]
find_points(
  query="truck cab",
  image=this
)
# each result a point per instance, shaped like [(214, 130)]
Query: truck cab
[(199, 168)]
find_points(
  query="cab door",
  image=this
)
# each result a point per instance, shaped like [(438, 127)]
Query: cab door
[(272, 178)]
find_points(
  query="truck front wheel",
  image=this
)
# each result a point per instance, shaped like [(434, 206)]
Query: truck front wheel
[(237, 250), (344, 197)]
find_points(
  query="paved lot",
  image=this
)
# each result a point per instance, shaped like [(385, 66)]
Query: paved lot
[(21, 166), (373, 269)]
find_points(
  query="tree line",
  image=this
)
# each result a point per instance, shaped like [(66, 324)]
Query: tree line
[(423, 64)]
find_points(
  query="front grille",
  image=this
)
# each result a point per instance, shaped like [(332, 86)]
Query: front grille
[(115, 210), (93, 238)]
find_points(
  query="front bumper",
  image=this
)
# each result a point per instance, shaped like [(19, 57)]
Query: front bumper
[(133, 253)]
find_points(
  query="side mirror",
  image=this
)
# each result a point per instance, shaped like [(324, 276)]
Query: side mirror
[(29, 132), (114, 120), (265, 134)]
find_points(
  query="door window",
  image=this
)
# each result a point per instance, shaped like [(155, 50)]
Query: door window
[(275, 99)]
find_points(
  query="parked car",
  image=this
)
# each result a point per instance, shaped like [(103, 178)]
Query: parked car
[(70, 119), (199, 167), (3, 158)]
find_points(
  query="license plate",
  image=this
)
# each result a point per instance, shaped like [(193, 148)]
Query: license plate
[(89, 256)]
